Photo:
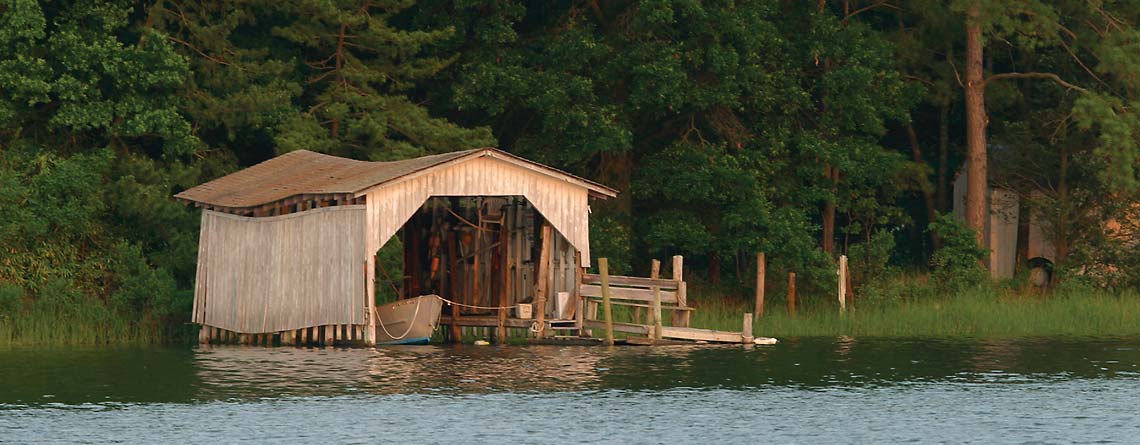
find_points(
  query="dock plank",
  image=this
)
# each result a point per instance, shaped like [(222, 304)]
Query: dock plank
[(709, 335)]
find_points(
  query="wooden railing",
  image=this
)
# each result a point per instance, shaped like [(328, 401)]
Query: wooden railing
[(655, 294)]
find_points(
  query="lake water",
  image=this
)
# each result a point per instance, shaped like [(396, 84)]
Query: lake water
[(807, 390)]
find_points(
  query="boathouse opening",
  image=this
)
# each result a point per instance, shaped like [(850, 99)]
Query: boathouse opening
[(485, 256)]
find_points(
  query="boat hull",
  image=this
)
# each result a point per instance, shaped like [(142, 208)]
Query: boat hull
[(408, 322)]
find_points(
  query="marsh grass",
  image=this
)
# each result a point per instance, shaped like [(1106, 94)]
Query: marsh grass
[(90, 328), (63, 316), (977, 312)]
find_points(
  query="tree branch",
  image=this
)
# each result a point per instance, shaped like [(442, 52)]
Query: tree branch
[(869, 7), (1050, 76)]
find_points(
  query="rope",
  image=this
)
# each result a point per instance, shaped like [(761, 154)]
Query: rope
[(411, 324), (493, 308), (465, 221)]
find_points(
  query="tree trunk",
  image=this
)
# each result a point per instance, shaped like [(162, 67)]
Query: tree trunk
[(828, 237), (943, 154), (927, 193), (714, 268), (1061, 230), (976, 121)]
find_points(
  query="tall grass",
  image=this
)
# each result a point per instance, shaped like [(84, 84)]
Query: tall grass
[(41, 328), (66, 317), (980, 312)]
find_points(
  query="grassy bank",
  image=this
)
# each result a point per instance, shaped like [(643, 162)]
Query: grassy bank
[(981, 312)]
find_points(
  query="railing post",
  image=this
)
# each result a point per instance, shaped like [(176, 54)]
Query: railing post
[(655, 312), (604, 268), (680, 318)]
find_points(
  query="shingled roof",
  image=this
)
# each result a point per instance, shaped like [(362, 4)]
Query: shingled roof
[(304, 172)]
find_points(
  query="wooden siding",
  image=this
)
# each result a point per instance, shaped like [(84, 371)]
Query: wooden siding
[(563, 204), (1001, 230), (260, 275)]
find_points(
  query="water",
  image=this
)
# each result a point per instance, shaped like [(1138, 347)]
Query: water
[(811, 390)]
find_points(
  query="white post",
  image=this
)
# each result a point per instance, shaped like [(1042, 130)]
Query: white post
[(842, 272)]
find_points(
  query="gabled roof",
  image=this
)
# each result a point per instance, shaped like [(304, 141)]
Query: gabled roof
[(304, 172)]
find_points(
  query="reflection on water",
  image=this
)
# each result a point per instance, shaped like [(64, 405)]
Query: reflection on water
[(182, 375), (814, 390)]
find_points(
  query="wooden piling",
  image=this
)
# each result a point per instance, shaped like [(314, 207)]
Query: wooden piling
[(476, 292), (204, 335), (604, 269), (580, 311), (746, 329), (842, 287), (504, 279), (328, 339), (453, 273), (791, 293), (541, 288), (655, 273), (761, 271)]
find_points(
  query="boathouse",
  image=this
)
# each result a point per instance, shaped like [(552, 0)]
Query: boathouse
[(289, 246)]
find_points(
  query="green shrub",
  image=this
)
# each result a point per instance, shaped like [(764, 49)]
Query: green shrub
[(11, 299), (957, 264)]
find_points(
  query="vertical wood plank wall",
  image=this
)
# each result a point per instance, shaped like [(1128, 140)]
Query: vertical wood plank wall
[(258, 275)]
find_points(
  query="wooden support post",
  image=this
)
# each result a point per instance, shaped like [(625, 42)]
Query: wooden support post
[(329, 330), (580, 311), (746, 331), (761, 270), (541, 285), (842, 272), (456, 284), (288, 338), (504, 279), (655, 310), (306, 336), (368, 330), (412, 266), (791, 293), (604, 269), (204, 335), (680, 318)]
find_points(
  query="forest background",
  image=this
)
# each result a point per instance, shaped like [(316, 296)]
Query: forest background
[(802, 129)]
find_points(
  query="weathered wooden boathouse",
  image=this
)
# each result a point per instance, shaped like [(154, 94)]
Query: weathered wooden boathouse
[(288, 247)]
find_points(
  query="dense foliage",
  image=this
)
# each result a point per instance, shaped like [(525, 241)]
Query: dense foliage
[(802, 129)]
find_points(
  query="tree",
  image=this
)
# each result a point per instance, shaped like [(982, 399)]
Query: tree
[(1075, 31), (334, 77), (93, 145)]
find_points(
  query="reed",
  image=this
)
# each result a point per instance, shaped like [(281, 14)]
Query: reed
[(978, 312), (91, 324)]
